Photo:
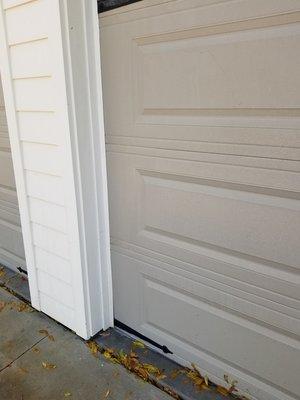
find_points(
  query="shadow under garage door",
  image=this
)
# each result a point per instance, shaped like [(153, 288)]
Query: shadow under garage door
[(11, 240), (202, 122)]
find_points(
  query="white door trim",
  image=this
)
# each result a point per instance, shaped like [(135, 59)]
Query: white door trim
[(84, 83), (82, 300)]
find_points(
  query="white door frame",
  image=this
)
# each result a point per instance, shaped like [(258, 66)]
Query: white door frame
[(81, 296)]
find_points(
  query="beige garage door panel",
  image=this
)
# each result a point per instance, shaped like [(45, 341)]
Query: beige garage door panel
[(202, 125), (11, 240)]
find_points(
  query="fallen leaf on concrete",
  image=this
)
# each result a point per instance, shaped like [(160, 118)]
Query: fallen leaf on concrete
[(138, 343), (68, 394), (175, 373), (2, 305), (143, 370), (222, 390), (151, 369), (94, 348), (160, 377), (36, 350), (230, 382), (23, 370), (20, 306), (109, 355), (195, 375), (46, 333), (47, 365), (206, 380)]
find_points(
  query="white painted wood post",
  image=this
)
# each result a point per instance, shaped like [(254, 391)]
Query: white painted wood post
[(50, 67)]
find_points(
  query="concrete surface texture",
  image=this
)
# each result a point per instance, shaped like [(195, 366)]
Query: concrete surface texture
[(41, 360)]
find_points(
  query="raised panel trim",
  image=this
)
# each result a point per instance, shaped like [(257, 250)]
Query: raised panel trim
[(210, 116)]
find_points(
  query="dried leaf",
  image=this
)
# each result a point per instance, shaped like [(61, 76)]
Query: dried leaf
[(2, 272), (47, 334), (2, 305), (206, 380), (123, 356), (108, 353), (68, 394), (233, 386), (195, 376), (222, 390), (175, 373), (230, 382), (20, 306), (141, 372), (195, 368), (161, 376), (107, 394), (48, 366), (94, 348), (204, 386), (152, 369), (36, 350), (132, 363), (138, 343), (44, 332)]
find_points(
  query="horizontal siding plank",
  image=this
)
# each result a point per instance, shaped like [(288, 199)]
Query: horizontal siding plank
[(53, 265), (45, 187), (29, 21), (31, 59), (34, 94), (50, 240), (55, 288), (48, 214), (14, 3), (42, 158), (57, 310), (39, 127)]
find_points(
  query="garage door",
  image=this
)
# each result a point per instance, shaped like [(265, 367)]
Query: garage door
[(202, 128), (11, 241)]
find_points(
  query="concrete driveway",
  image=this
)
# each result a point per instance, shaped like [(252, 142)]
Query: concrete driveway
[(41, 360)]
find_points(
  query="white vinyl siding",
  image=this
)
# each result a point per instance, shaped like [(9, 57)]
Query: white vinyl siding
[(39, 87)]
